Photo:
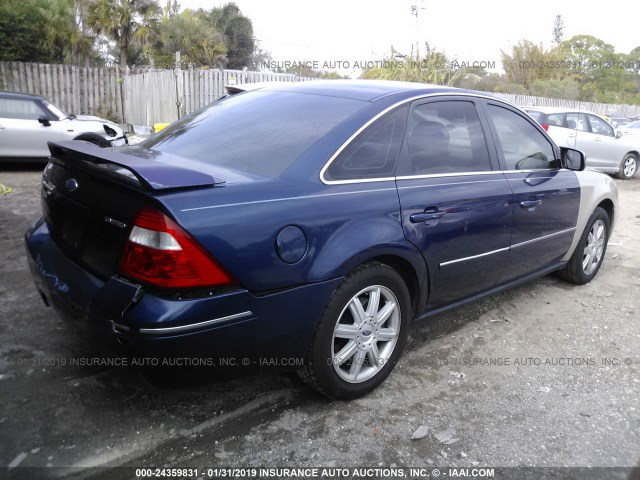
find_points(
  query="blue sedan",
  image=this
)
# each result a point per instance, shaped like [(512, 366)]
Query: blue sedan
[(312, 221)]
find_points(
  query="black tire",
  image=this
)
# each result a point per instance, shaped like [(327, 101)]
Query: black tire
[(575, 270), (322, 371), (628, 167)]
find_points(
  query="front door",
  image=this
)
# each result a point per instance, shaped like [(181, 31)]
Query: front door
[(546, 197)]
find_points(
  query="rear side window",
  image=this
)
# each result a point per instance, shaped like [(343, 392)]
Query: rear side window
[(260, 133), (20, 109), (374, 153), (444, 137), (522, 145)]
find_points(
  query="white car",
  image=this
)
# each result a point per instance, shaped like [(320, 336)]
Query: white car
[(606, 149), (28, 122), (631, 129)]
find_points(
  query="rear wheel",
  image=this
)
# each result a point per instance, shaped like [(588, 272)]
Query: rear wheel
[(361, 333), (587, 258), (628, 167)]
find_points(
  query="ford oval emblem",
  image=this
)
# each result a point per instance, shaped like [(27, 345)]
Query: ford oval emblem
[(71, 184), (366, 333)]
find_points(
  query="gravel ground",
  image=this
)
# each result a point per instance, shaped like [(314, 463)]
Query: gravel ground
[(545, 375)]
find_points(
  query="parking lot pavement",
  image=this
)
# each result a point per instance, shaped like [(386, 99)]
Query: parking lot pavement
[(547, 374)]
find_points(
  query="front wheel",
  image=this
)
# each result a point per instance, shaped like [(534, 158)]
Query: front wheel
[(628, 167), (361, 333), (589, 253)]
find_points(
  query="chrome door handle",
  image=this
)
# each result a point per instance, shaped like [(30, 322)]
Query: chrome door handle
[(530, 203), (428, 215)]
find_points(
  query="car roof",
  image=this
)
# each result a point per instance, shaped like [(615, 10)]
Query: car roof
[(366, 90), (20, 95)]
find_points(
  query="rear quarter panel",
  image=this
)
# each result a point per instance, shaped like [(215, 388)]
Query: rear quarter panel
[(344, 225)]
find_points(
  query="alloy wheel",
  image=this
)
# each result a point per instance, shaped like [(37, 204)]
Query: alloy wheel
[(592, 254), (366, 334)]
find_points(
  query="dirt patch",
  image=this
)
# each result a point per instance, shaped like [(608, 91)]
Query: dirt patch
[(547, 374)]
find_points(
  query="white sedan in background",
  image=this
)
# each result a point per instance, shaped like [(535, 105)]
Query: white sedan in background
[(607, 149), (28, 122), (631, 129)]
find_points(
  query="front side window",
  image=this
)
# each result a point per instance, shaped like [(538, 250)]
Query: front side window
[(20, 109), (56, 111), (444, 137), (374, 153), (600, 127), (523, 147)]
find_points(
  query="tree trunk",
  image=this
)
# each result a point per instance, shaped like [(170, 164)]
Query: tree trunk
[(123, 59), (123, 71)]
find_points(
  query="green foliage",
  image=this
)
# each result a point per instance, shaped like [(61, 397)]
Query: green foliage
[(124, 22), (198, 42), (62, 33), (69, 31), (527, 63), (238, 30), (595, 66), (434, 68), (302, 71), (582, 68), (566, 88), (41, 31)]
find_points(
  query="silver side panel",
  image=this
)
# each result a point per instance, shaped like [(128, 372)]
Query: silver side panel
[(594, 188)]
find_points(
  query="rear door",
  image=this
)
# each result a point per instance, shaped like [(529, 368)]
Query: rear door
[(561, 131), (456, 208), (546, 197)]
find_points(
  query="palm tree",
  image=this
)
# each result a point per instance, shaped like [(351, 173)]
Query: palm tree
[(198, 42), (62, 33), (123, 21)]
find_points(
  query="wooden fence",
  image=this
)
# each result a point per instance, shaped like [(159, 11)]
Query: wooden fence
[(79, 90), (144, 97), (141, 97), (600, 108), (166, 95)]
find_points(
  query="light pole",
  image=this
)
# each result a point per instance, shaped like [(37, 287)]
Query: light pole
[(415, 10)]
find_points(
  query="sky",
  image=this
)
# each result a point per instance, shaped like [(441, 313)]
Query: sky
[(350, 31)]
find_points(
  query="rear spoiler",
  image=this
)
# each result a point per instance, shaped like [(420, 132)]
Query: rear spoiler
[(140, 165)]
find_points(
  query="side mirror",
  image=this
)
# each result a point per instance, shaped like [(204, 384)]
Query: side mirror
[(572, 159), (619, 133), (44, 121)]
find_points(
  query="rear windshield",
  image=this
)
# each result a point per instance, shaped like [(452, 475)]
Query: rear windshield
[(260, 133)]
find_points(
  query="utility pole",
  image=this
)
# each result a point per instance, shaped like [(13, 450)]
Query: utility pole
[(415, 10)]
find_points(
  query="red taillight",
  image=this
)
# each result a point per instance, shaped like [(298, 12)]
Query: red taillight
[(159, 252), (545, 127)]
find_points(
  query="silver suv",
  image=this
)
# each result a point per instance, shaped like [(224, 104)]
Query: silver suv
[(607, 149), (28, 122)]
